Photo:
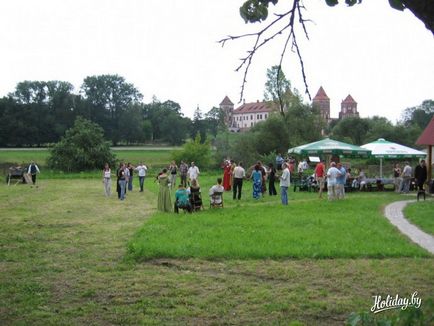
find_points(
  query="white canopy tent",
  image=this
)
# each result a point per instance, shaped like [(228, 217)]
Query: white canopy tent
[(384, 149)]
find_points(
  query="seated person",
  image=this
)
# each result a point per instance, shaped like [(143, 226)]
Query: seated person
[(218, 188), (181, 199), (194, 192), (362, 180)]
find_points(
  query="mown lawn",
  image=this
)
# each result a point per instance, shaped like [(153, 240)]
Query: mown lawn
[(422, 215), (150, 156), (64, 261)]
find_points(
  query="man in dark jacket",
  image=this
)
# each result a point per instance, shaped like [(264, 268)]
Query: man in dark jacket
[(420, 173)]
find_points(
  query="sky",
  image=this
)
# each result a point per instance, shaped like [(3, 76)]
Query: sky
[(384, 58)]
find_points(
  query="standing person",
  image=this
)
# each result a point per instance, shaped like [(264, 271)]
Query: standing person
[(193, 172), (421, 174), (320, 176), (271, 179), (164, 202), (141, 170), (291, 165), (173, 169), (264, 177), (122, 180), (33, 169), (397, 177), (340, 181), (285, 181), (257, 182), (227, 175), (300, 169), (332, 174), (406, 178), (279, 161), (183, 169), (130, 168), (239, 174), (106, 179)]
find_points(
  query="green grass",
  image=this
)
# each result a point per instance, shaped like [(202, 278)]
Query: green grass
[(307, 228), (152, 157), (64, 261), (422, 215)]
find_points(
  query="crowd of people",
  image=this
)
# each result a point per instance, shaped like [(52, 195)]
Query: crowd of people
[(263, 178)]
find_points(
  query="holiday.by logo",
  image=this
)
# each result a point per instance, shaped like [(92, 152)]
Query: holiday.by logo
[(390, 302)]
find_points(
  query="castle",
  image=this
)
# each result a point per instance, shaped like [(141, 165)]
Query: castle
[(248, 114)]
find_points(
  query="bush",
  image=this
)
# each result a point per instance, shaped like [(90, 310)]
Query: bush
[(194, 151), (82, 148)]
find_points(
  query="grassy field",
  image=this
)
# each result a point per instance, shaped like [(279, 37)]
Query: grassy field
[(150, 156), (64, 261), (422, 215)]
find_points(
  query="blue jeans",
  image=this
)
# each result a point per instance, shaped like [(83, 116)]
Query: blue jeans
[(141, 181), (405, 187), (130, 183), (284, 195), (122, 184)]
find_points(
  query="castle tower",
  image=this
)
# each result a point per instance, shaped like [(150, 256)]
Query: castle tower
[(348, 108), (227, 107), (322, 101)]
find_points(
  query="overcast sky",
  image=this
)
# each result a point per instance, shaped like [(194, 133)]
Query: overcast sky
[(382, 57)]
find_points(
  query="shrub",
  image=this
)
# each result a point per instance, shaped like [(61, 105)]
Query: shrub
[(82, 148), (194, 151)]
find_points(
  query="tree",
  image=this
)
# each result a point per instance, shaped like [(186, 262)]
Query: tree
[(276, 87), (109, 96), (82, 148), (419, 115), (353, 128), (253, 11)]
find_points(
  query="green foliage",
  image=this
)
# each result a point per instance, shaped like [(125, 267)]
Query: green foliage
[(195, 151), (354, 128), (276, 85), (410, 316), (255, 10), (82, 148), (419, 115)]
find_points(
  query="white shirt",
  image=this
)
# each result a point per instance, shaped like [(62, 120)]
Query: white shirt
[(30, 169), (300, 167), (142, 170), (193, 172), (285, 179), (107, 174), (332, 174), (213, 190), (239, 172)]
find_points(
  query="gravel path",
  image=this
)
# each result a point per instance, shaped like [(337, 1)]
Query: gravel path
[(394, 213)]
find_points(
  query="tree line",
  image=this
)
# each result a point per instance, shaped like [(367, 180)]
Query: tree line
[(38, 113)]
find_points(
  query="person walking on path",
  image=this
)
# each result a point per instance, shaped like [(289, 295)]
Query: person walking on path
[(271, 179), (421, 175), (239, 174), (320, 176), (397, 177), (285, 181), (106, 179), (332, 174), (183, 169), (257, 182), (406, 178), (141, 171), (122, 181), (173, 170), (164, 202), (33, 169)]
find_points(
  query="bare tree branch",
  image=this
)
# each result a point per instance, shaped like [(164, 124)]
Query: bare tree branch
[(265, 35)]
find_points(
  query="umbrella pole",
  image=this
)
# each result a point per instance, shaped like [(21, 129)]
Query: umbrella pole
[(381, 167)]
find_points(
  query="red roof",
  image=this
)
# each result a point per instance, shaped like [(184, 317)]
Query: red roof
[(226, 101), (349, 99), (321, 95), (427, 136), (255, 107)]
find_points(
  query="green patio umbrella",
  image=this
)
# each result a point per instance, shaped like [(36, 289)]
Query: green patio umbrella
[(384, 149), (329, 146)]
